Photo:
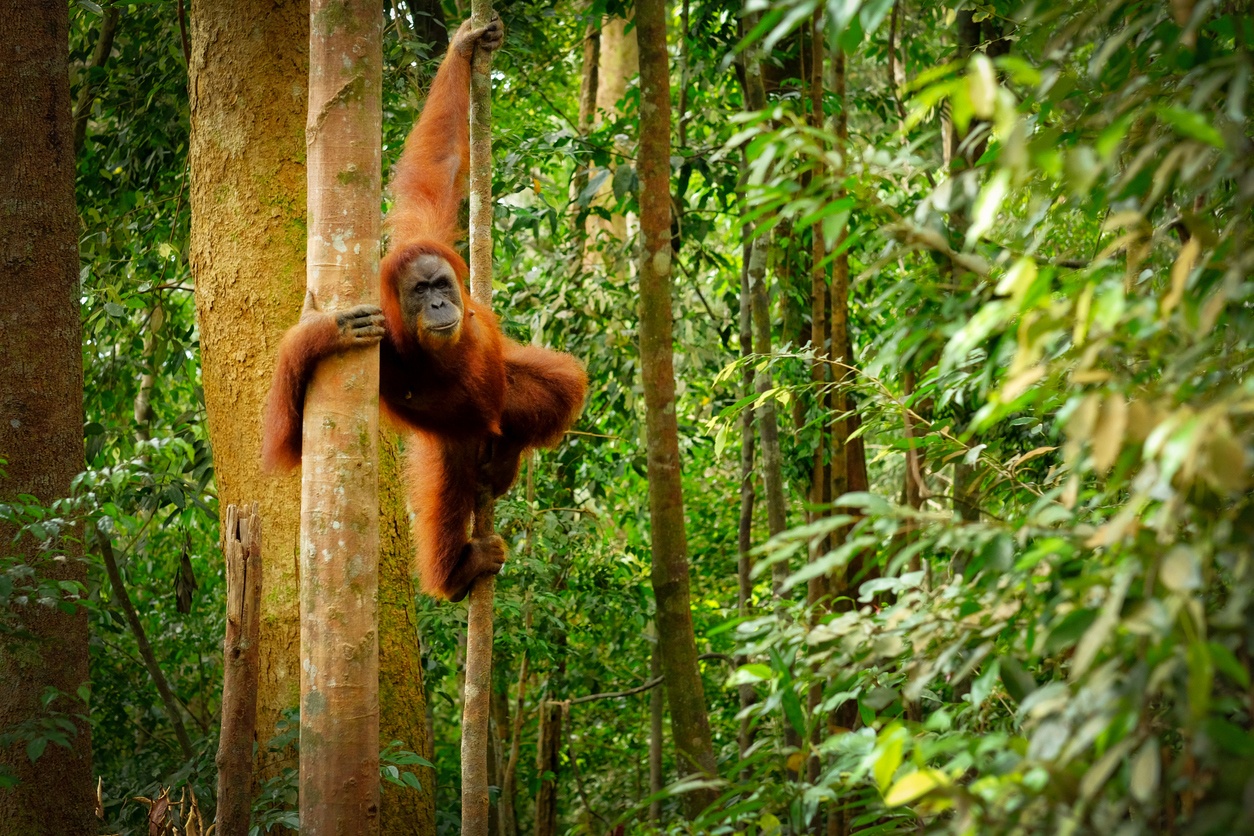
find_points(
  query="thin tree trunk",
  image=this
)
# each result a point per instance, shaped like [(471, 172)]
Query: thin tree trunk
[(820, 480), (242, 553), (477, 705), (587, 116), (429, 24), (744, 565), (41, 399), (760, 307), (496, 746), (548, 764), (657, 719), (87, 92), (685, 693), (509, 816), (339, 717), (145, 649)]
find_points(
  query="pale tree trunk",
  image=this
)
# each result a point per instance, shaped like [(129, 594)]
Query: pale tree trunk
[(618, 60), (339, 527), (249, 66), (685, 693), (476, 705), (41, 401), (587, 116)]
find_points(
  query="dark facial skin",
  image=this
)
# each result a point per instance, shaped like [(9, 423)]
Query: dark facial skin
[(430, 298)]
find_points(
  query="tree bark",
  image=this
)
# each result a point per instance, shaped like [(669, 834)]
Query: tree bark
[(820, 336), (248, 70), (820, 479), (476, 707), (744, 563), (548, 764), (250, 63), (760, 309), (41, 399), (242, 552), (587, 116), (509, 816), (339, 717), (618, 59), (685, 693), (657, 720), (402, 698)]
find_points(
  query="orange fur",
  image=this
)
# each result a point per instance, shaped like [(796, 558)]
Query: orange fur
[(479, 395)]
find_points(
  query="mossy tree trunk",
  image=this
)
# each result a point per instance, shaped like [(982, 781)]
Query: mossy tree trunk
[(685, 693)]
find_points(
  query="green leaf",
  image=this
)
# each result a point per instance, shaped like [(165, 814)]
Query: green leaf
[(1190, 123), (35, 748), (1225, 661), (792, 710)]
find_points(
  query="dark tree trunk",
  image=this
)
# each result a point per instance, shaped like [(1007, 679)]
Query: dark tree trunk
[(41, 400), (685, 694), (548, 765)]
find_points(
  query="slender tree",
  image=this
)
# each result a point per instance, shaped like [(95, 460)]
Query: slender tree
[(685, 694), (41, 399), (760, 320), (339, 716), (476, 707)]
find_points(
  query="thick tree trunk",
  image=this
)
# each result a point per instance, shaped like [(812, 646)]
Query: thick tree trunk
[(339, 717), (402, 698), (41, 399), (685, 693), (249, 65), (242, 540)]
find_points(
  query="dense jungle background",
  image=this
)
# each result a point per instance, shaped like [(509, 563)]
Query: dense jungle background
[(962, 338)]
